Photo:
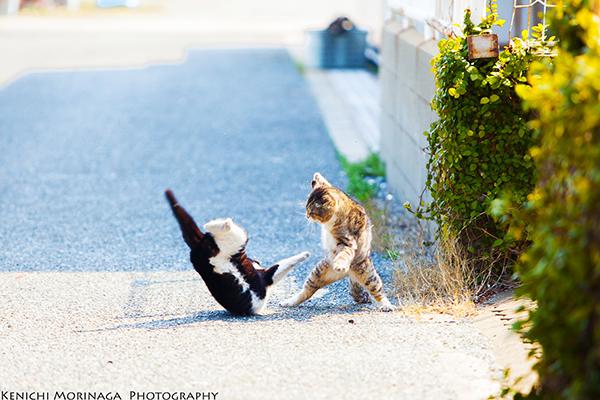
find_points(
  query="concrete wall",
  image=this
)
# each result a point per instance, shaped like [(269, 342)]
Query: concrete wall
[(407, 87)]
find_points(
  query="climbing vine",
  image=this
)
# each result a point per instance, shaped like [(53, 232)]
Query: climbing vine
[(479, 146)]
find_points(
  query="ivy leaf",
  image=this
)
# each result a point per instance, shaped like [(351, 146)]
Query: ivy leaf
[(477, 152)]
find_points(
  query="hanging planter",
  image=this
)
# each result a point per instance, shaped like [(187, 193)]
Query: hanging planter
[(483, 46)]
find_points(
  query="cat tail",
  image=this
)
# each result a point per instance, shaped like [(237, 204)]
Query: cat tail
[(189, 230)]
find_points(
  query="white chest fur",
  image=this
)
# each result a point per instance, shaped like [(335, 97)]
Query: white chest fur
[(328, 242), (224, 266)]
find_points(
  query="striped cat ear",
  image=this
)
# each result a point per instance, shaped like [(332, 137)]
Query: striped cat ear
[(319, 181)]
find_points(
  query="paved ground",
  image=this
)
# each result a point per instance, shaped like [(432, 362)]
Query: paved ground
[(97, 292), (161, 331), (87, 156)]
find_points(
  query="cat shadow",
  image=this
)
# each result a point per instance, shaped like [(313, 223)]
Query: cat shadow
[(298, 314)]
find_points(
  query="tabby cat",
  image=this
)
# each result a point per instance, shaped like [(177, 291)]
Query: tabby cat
[(346, 239), (237, 282)]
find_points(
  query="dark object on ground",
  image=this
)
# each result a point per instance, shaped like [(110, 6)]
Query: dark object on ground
[(340, 25), (341, 45)]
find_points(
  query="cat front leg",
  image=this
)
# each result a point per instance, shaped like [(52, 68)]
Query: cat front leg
[(278, 271), (342, 257), (322, 275), (366, 275)]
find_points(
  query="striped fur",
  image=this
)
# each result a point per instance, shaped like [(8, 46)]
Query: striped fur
[(346, 241)]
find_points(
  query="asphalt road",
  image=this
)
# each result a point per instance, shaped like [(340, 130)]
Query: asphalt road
[(86, 156), (96, 288)]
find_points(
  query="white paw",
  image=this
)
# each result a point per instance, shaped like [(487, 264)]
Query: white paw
[(287, 303), (341, 269), (386, 307), (303, 256)]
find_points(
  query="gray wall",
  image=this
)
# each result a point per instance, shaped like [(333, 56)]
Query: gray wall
[(407, 87)]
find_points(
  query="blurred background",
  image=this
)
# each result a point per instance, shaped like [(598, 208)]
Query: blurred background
[(42, 34), (369, 72)]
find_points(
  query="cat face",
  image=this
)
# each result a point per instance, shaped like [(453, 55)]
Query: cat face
[(322, 202), (229, 237)]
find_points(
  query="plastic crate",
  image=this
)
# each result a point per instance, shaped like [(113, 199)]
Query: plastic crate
[(345, 50)]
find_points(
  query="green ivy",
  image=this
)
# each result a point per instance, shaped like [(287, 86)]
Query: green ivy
[(561, 269), (359, 183), (479, 146)]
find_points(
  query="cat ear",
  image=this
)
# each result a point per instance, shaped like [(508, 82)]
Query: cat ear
[(318, 181), (227, 225)]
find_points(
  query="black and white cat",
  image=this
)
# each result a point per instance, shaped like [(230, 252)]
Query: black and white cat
[(237, 282)]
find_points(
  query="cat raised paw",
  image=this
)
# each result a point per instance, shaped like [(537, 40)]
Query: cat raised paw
[(340, 269)]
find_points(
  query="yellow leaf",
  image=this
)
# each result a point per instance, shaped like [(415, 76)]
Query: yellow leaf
[(535, 151)]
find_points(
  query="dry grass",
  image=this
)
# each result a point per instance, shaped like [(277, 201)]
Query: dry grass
[(438, 278), (427, 279), (383, 237), (441, 283)]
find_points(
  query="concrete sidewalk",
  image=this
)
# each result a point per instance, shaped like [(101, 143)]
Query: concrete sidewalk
[(161, 331)]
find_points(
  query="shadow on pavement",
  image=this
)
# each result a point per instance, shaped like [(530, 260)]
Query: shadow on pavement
[(300, 314)]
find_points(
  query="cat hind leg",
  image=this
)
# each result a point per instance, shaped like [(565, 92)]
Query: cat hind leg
[(358, 292), (366, 275), (322, 275)]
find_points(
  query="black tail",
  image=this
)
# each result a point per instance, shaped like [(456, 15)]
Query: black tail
[(191, 234)]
